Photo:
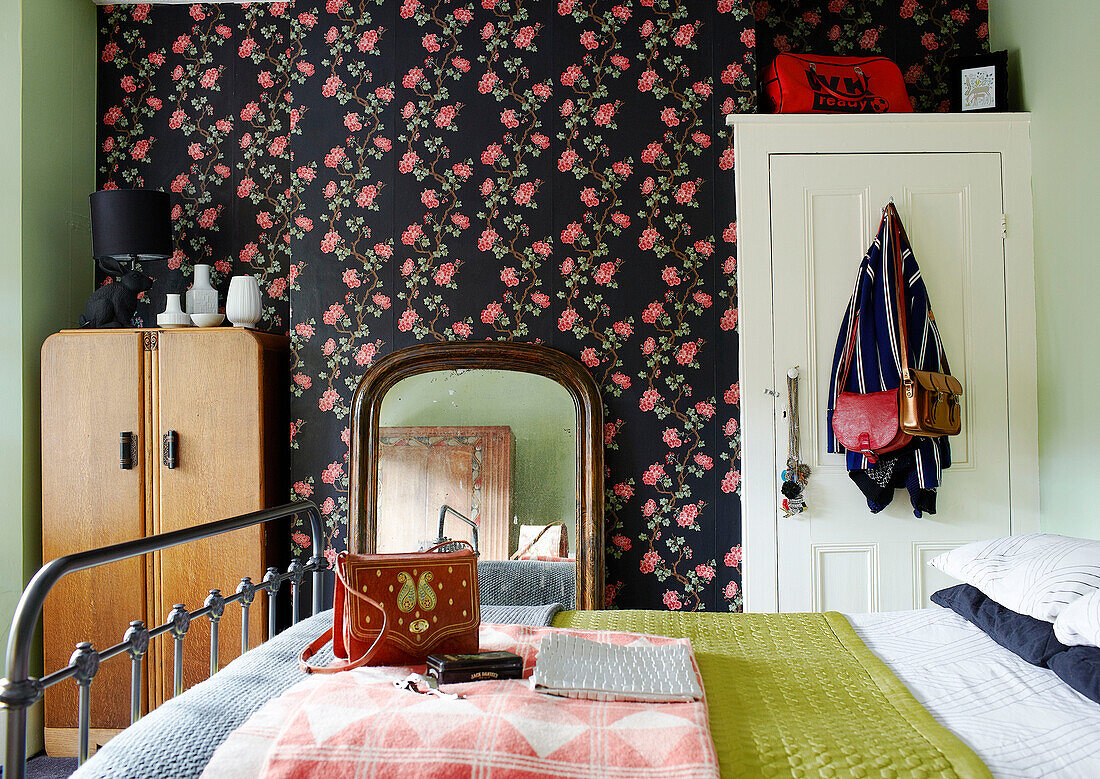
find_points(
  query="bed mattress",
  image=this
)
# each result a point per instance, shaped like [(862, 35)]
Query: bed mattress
[(177, 740), (1021, 720)]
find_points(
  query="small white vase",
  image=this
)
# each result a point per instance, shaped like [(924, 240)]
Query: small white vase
[(202, 298), (173, 315), (242, 306)]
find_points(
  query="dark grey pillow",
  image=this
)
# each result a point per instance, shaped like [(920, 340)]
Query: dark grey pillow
[(1079, 667), (1030, 638)]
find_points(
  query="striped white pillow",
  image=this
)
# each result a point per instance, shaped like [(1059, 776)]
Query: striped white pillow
[(1037, 574), (1079, 622)]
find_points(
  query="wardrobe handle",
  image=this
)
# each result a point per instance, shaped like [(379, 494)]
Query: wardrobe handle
[(126, 450), (170, 445)]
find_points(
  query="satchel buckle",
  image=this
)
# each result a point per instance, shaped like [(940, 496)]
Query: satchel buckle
[(865, 447)]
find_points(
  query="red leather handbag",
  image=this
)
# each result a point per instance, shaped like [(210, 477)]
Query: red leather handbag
[(807, 84), (396, 609), (867, 422)]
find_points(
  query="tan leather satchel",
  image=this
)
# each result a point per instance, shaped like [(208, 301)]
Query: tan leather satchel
[(928, 402), (396, 609)]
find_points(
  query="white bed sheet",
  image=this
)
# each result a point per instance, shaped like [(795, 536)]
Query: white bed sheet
[(1021, 720)]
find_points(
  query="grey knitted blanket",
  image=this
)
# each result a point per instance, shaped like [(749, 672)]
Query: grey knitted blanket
[(178, 739)]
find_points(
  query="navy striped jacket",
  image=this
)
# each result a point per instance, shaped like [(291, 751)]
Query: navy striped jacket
[(876, 363)]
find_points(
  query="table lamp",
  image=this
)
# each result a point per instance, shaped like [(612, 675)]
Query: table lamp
[(131, 225), (128, 226)]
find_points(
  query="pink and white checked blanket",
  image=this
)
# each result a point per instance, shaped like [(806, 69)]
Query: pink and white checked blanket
[(357, 724)]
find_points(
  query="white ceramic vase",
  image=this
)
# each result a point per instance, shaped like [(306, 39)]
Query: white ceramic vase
[(242, 306), (202, 298), (173, 315)]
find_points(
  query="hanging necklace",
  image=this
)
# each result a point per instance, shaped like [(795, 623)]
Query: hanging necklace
[(797, 472)]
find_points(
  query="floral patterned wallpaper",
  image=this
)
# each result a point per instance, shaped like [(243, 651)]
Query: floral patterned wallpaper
[(560, 172)]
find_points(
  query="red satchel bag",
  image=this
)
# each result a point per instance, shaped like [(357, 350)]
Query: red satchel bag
[(819, 84), (867, 422), (396, 609), (870, 422)]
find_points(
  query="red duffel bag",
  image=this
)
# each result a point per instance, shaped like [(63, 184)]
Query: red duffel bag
[(819, 84)]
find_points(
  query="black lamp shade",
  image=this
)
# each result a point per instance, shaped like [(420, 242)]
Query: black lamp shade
[(131, 224)]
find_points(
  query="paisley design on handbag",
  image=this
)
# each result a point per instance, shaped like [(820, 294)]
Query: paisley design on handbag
[(406, 599), (424, 590), (411, 593)]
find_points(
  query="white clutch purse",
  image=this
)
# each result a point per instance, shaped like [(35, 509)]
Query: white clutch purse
[(576, 667)]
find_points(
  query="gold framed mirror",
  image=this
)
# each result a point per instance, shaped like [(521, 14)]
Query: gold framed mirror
[(387, 436)]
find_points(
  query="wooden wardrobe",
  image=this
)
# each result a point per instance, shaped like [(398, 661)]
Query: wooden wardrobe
[(221, 394)]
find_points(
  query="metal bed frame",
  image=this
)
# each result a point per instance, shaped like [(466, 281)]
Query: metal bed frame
[(19, 690)]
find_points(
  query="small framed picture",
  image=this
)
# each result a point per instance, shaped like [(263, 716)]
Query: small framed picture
[(980, 82)]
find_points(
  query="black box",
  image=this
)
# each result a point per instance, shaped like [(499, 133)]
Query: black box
[(455, 669)]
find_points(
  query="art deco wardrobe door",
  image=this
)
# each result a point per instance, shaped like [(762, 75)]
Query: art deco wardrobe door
[(220, 393), (92, 392)]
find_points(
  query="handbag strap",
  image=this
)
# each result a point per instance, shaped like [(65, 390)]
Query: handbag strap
[(848, 353), (899, 283), (324, 638), (898, 232)]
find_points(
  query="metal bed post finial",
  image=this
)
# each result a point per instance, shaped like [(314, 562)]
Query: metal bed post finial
[(138, 639), (272, 582), (295, 572), (318, 564), (85, 661), (216, 603), (180, 620), (247, 590)]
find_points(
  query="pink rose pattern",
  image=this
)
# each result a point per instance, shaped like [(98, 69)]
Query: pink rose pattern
[(397, 172)]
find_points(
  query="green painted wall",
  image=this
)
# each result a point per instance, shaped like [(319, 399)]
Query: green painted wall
[(59, 130), (1054, 54), (47, 170), (542, 417), (11, 320)]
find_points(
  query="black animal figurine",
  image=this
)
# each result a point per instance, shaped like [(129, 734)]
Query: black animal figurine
[(113, 305)]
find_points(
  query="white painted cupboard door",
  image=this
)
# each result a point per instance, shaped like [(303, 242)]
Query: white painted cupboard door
[(825, 211)]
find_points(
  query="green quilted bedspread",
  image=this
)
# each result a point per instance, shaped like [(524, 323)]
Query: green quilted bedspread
[(800, 695)]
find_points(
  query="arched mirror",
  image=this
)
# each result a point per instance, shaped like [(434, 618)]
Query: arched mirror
[(497, 444)]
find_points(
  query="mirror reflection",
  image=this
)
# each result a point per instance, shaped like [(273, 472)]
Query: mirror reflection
[(483, 456)]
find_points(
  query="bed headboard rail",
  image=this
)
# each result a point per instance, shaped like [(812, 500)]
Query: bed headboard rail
[(18, 690)]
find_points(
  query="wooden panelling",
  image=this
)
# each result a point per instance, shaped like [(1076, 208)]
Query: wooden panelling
[(845, 577), (926, 579)]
